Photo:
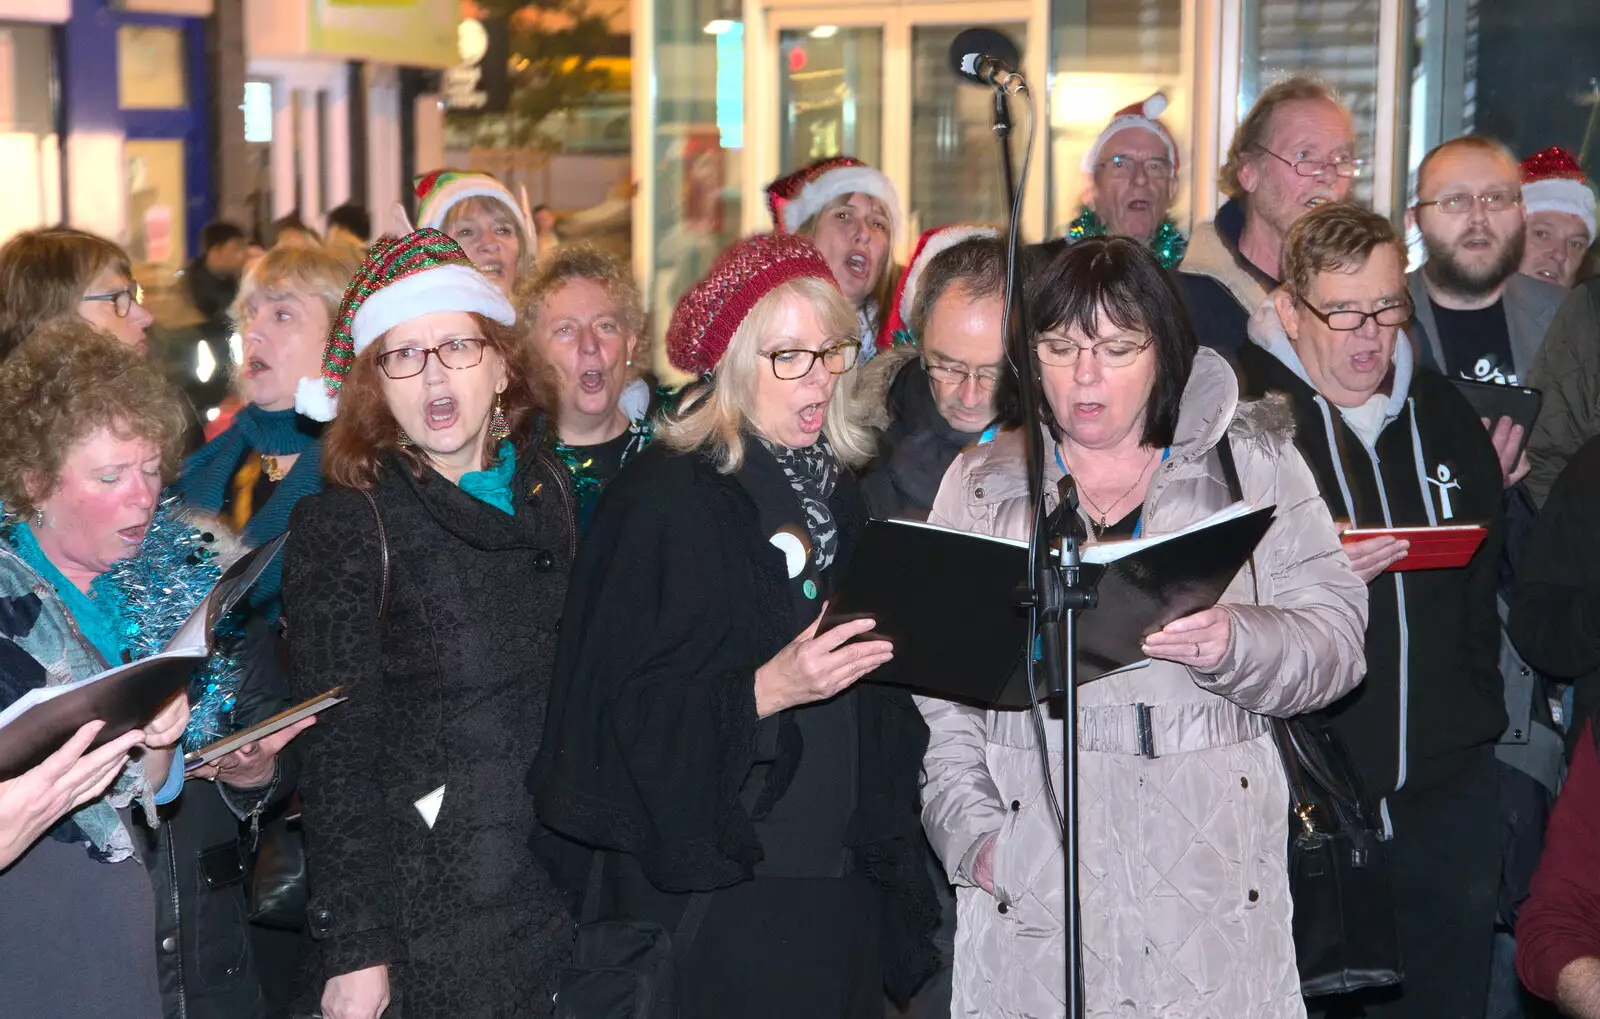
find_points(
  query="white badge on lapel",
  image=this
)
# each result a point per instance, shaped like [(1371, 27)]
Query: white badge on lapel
[(429, 806)]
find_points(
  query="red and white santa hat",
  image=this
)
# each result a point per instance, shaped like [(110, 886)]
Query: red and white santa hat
[(1552, 181), (932, 243), (1141, 115), (796, 198)]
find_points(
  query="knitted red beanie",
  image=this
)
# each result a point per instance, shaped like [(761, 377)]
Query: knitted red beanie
[(707, 316)]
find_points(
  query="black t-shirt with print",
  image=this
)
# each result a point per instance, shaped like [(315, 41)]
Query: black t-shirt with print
[(1477, 344)]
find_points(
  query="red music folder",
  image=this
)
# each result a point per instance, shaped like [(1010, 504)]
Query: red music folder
[(1432, 548)]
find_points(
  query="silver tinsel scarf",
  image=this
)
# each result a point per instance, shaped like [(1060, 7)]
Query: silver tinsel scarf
[(174, 569)]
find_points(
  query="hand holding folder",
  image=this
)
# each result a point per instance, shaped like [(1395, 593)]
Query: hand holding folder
[(950, 600)]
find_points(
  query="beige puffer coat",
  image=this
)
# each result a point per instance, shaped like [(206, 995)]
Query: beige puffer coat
[(1185, 890)]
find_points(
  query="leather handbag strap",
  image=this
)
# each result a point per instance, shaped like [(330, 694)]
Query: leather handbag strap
[(1230, 470), (694, 912), (383, 554)]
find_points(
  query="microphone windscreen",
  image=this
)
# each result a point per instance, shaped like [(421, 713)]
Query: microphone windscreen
[(974, 43)]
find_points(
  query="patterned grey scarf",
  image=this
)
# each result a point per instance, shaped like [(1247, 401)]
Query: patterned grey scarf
[(812, 472)]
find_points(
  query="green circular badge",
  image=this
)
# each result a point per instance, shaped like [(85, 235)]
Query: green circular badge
[(810, 588)]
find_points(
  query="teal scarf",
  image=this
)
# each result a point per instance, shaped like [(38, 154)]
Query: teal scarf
[(99, 614), (493, 486)]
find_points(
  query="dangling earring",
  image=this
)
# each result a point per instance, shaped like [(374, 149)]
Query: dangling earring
[(38, 519), (403, 440), (499, 427)]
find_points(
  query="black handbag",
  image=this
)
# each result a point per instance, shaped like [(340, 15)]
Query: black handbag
[(279, 890), (1344, 928), (624, 968), (279, 887)]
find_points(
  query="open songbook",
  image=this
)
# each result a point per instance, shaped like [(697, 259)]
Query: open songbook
[(127, 696), (949, 600)]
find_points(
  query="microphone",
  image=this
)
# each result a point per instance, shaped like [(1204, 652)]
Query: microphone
[(1070, 525), (985, 57)]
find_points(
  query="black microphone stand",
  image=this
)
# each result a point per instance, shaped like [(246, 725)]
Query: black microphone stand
[(1057, 593)]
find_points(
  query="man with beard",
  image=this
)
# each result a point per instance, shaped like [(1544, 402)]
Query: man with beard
[(1477, 317), (1133, 179), (1294, 151)]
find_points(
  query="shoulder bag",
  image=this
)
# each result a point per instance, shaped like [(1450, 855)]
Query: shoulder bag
[(1344, 927), (279, 889)]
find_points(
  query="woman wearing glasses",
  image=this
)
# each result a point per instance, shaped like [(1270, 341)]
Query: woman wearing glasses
[(1186, 903), (707, 734), (47, 275), (427, 581)]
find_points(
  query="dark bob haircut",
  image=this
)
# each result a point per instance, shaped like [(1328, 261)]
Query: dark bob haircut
[(1116, 282)]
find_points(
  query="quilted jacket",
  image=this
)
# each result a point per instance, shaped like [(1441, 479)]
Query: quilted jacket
[(1185, 892)]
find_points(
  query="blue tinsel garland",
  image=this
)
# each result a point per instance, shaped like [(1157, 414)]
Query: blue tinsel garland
[(174, 569)]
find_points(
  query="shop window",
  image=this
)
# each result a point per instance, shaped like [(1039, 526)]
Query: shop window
[(150, 68)]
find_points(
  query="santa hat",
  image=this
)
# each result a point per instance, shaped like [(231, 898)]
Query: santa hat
[(707, 316), (402, 278), (438, 192), (1552, 181), (796, 198), (1141, 115), (932, 243)]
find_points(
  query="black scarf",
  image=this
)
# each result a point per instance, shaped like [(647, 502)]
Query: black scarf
[(812, 472)]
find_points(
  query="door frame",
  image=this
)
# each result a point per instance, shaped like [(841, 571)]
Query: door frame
[(765, 19)]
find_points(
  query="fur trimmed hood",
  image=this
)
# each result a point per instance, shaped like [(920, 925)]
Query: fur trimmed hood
[(875, 381)]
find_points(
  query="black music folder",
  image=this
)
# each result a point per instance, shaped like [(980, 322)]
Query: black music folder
[(128, 696), (949, 600)]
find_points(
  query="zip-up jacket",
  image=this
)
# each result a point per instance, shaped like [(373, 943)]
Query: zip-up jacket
[(1433, 690)]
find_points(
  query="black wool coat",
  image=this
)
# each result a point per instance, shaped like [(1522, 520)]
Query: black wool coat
[(677, 598), (449, 692)]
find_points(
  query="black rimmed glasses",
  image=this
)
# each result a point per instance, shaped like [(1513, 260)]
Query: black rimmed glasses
[(121, 301), (1349, 320), (1124, 167), (950, 375), (1061, 353), (1461, 204), (405, 362), (796, 363), (1306, 166)]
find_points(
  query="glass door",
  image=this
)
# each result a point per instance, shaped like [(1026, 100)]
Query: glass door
[(956, 176), (830, 94), (874, 82)]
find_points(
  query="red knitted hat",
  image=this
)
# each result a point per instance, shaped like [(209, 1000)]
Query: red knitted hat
[(707, 316), (796, 198), (932, 243)]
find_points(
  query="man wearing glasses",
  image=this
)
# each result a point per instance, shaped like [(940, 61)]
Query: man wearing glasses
[(1478, 317), (1132, 171), (1294, 151), (1393, 444), (936, 386)]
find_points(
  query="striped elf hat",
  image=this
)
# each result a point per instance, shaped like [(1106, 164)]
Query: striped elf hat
[(403, 278), (440, 190)]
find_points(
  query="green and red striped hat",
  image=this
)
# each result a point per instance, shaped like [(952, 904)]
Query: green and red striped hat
[(403, 278)]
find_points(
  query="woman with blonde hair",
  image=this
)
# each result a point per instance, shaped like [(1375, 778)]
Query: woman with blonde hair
[(479, 213), (584, 315), (252, 474), (852, 213), (705, 734)]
